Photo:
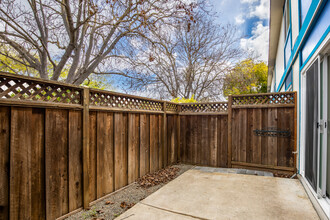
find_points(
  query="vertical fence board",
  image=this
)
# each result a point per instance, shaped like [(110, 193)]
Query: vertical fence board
[(264, 140), (172, 138), (199, 141), (222, 127), (4, 161), (205, 141), (154, 142), (234, 134), (194, 118), (272, 141), (165, 152), (160, 142), (249, 135), (20, 163), (256, 140), (92, 155), (133, 147), (75, 160), (184, 121), (213, 140), (57, 203), (243, 134), (144, 144), (121, 152), (105, 154), (282, 123), (38, 207), (190, 139)]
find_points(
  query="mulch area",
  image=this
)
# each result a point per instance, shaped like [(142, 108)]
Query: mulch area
[(118, 202)]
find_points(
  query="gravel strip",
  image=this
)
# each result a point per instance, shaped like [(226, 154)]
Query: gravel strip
[(111, 207)]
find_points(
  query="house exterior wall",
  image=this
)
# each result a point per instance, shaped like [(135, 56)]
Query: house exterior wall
[(310, 38), (300, 34)]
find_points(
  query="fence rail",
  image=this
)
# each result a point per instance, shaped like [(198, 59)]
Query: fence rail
[(65, 146)]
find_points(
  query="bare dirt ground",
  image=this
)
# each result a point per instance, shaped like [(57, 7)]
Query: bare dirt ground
[(117, 203)]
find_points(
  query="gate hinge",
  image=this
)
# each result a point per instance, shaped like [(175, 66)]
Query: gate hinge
[(295, 152)]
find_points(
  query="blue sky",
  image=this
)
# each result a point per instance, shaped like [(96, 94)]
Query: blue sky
[(251, 18)]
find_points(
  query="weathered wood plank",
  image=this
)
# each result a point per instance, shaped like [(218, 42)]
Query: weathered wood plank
[(92, 155), (256, 140), (249, 135), (38, 206), (272, 141), (133, 147), (234, 134), (20, 163), (222, 141), (199, 141), (184, 121), (264, 140), (230, 130), (86, 149), (75, 160), (104, 154), (291, 145), (4, 161), (189, 139), (154, 143), (205, 141), (144, 144), (242, 135), (213, 140), (173, 139), (195, 139), (57, 194), (160, 142), (121, 150)]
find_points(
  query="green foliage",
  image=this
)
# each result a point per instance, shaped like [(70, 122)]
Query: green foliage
[(184, 100), (248, 76)]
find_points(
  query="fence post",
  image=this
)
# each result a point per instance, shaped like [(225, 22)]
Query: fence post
[(86, 159), (178, 134), (229, 149), (164, 135), (295, 133)]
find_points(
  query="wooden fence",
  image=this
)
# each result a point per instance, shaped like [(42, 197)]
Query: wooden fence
[(64, 147)]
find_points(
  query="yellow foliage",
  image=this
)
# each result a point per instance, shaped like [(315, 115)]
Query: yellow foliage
[(184, 100), (247, 77)]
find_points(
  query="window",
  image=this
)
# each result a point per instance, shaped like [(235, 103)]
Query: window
[(316, 34), (286, 17), (287, 50), (304, 6), (288, 81), (287, 32)]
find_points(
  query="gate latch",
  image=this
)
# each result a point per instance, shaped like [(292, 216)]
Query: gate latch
[(321, 125)]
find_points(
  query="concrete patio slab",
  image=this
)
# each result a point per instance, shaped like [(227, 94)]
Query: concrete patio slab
[(214, 195)]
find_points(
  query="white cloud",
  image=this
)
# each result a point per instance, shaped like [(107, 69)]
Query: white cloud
[(248, 1), (239, 19), (258, 43), (261, 11)]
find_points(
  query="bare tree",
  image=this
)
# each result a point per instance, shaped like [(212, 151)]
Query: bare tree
[(192, 61), (82, 35)]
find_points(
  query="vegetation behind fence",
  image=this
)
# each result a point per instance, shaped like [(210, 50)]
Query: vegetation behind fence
[(63, 146)]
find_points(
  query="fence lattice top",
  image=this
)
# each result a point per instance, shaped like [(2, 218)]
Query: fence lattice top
[(204, 107), (21, 88), (265, 99), (104, 99), (172, 107)]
